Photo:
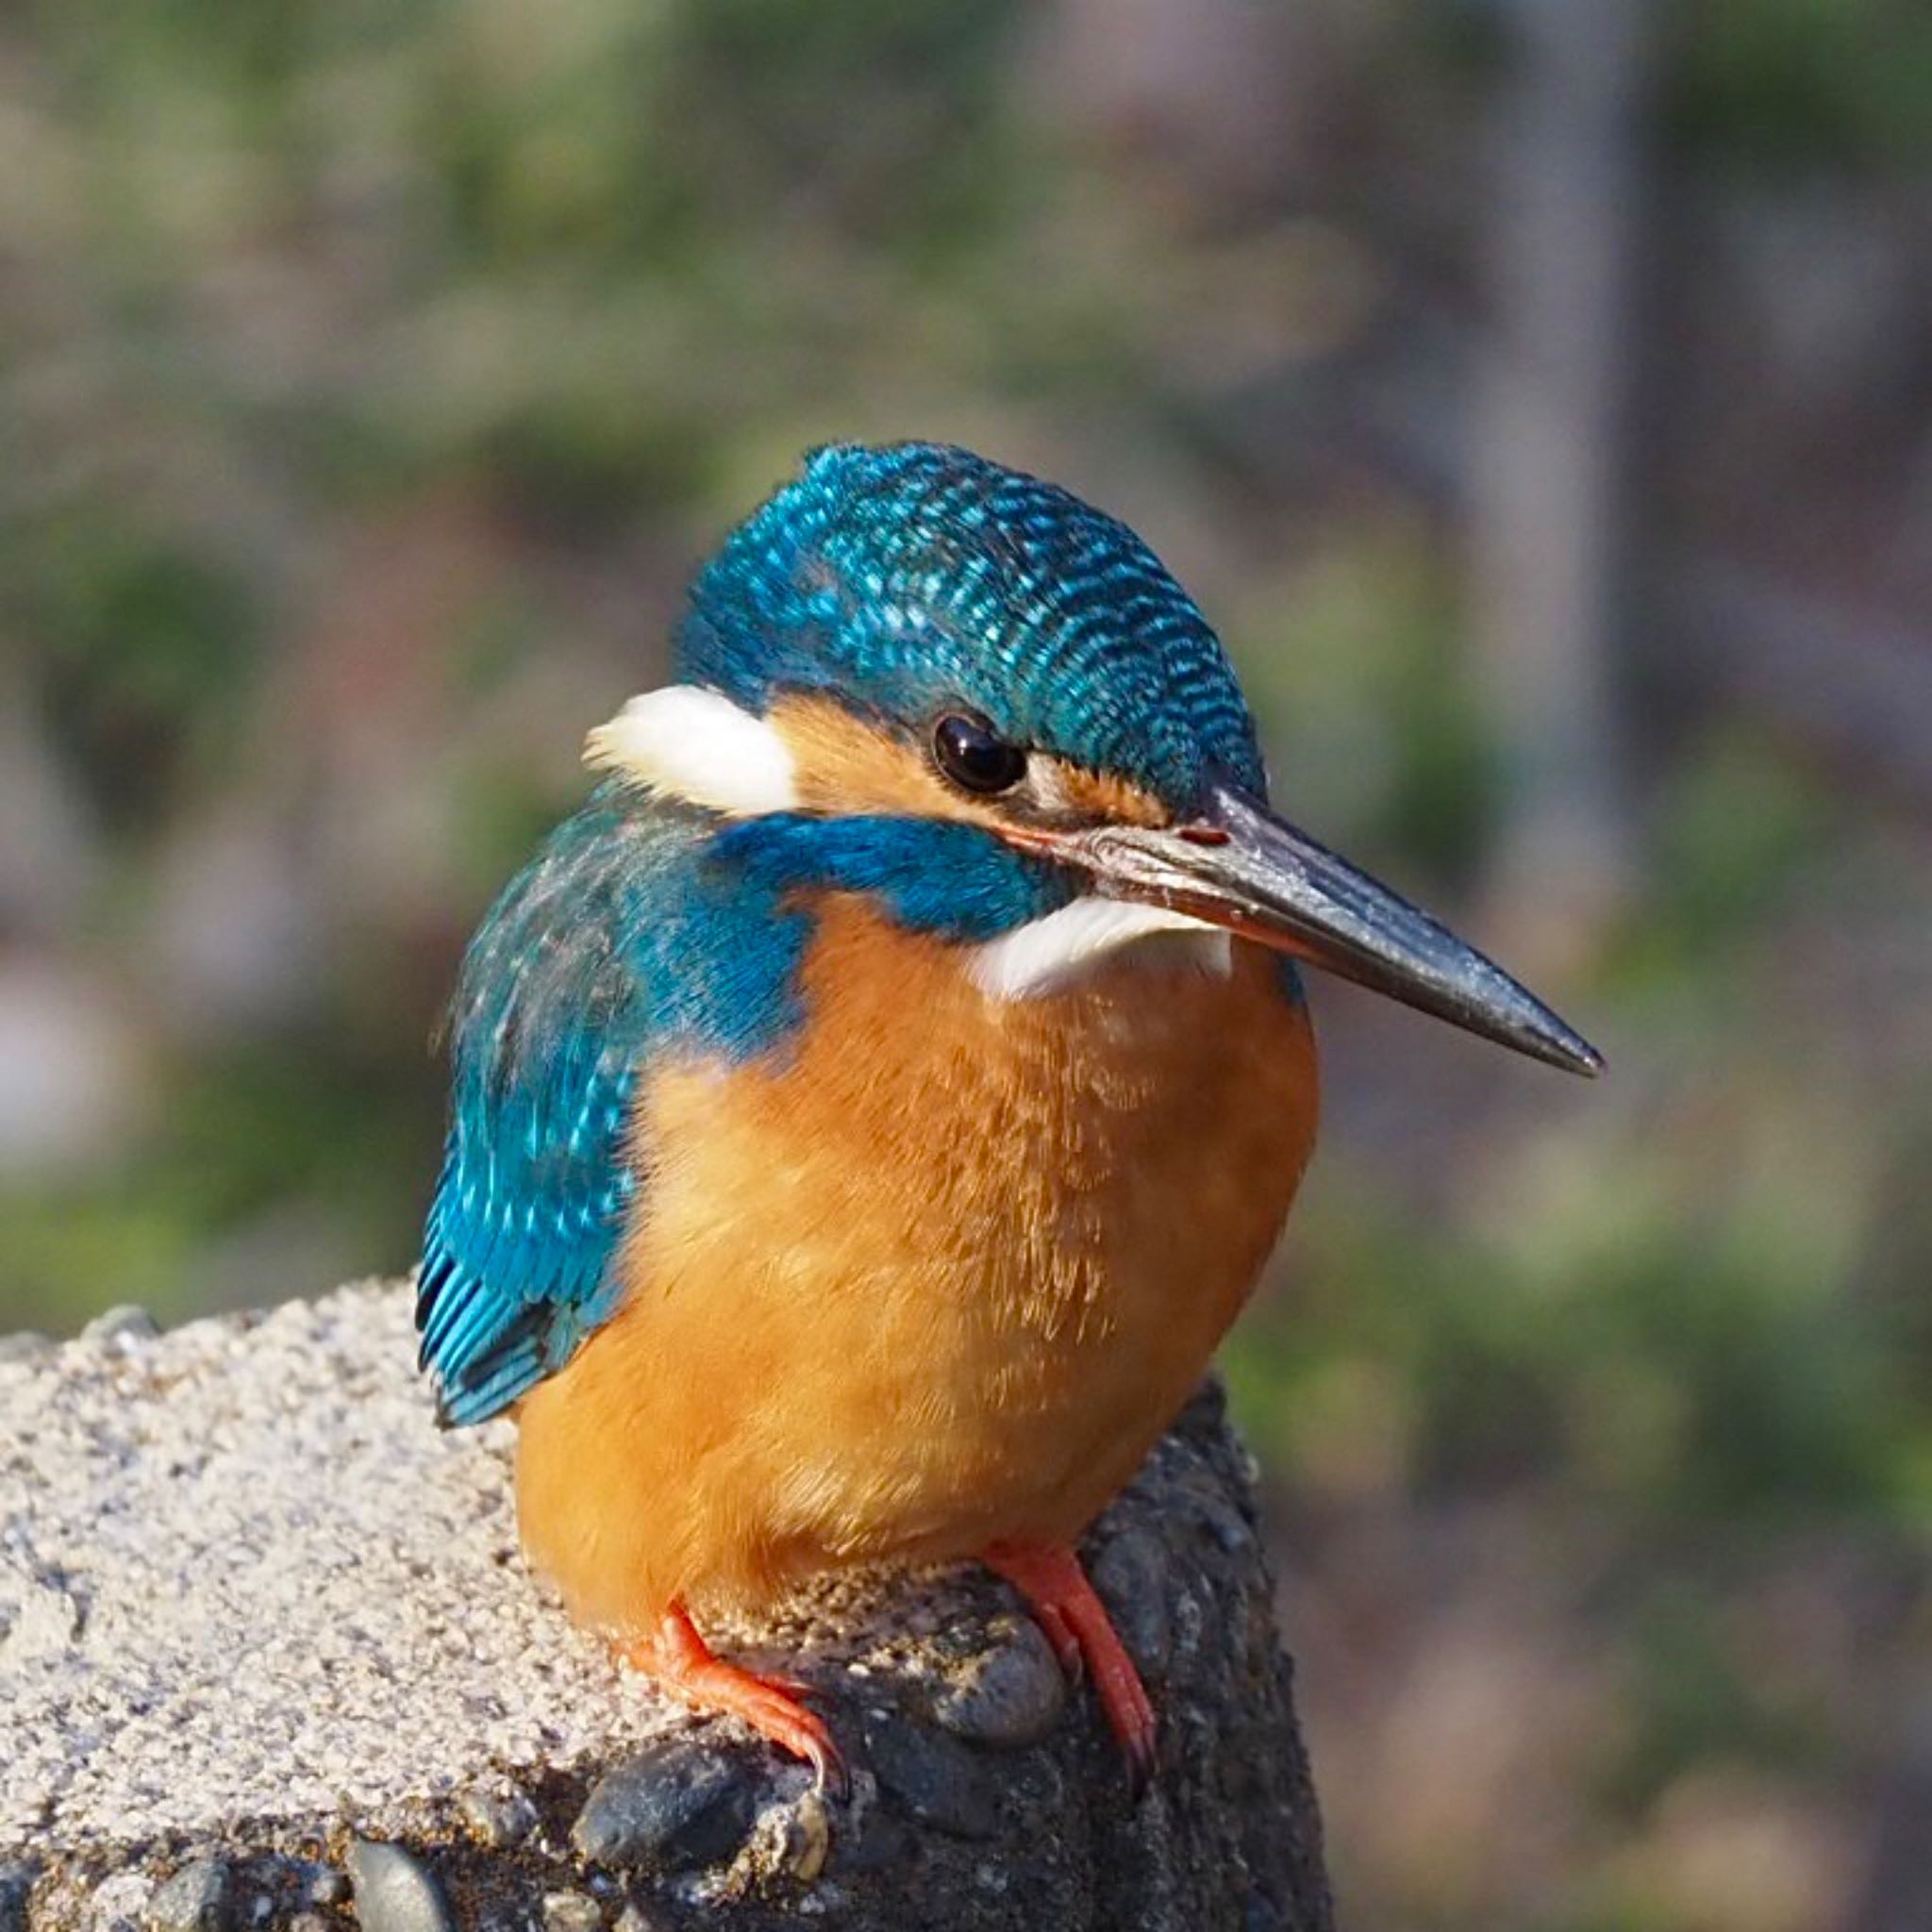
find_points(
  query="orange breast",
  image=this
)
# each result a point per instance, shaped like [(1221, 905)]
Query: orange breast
[(939, 1277)]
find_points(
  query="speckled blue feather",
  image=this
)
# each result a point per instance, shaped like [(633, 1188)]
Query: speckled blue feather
[(552, 1016), (916, 576)]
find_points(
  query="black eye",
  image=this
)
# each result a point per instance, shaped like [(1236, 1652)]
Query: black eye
[(973, 757)]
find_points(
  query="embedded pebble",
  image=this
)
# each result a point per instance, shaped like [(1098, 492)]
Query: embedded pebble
[(329, 1884), (939, 1782), (1006, 1696), (673, 1807), (125, 1323), (497, 1820), (1204, 1499), (43, 1620), (637, 1918), (195, 1899), (1131, 1576), (808, 1837), (883, 1840), (571, 1912), (1261, 1914), (395, 1892), (16, 1882)]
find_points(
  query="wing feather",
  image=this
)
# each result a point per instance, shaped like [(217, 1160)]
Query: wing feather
[(551, 1020)]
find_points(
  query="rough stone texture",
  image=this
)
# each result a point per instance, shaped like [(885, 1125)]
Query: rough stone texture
[(258, 1617), (194, 1900)]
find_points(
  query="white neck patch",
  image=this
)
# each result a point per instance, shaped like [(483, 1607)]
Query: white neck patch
[(1048, 954), (697, 745)]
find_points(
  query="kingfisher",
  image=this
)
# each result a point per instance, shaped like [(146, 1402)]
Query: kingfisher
[(871, 1109)]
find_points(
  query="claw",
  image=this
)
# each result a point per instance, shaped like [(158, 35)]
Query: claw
[(1061, 1599), (676, 1657)]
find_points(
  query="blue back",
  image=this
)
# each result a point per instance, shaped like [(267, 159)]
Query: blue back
[(918, 576)]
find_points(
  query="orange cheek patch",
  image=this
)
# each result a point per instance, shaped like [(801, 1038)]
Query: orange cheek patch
[(845, 765), (1100, 795)]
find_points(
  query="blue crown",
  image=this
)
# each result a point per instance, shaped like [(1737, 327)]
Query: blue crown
[(919, 577)]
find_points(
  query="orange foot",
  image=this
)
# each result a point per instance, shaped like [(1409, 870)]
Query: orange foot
[(1076, 1625), (675, 1656)]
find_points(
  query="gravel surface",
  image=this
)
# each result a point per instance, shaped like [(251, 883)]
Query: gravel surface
[(185, 1677), (269, 1656)]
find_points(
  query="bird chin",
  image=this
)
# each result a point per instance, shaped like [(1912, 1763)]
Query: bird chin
[(1054, 953)]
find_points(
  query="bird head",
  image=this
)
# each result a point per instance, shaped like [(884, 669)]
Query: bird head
[(915, 673)]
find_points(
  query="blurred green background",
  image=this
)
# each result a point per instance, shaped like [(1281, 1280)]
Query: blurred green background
[(1538, 396)]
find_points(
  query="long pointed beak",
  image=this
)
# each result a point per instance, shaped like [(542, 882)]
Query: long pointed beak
[(1238, 866)]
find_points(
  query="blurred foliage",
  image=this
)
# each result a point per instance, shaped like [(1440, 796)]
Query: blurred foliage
[(1790, 82), (373, 377)]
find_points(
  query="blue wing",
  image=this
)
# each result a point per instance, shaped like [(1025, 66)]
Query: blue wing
[(551, 1020)]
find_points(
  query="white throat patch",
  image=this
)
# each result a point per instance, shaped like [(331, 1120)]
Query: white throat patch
[(697, 745), (1045, 955)]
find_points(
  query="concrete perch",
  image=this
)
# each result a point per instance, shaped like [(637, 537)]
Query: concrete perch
[(269, 1657)]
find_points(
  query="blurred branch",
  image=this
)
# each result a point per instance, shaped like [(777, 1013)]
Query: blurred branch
[(1545, 523), (48, 856)]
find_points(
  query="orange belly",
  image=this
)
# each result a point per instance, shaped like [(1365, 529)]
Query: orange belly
[(939, 1276)]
